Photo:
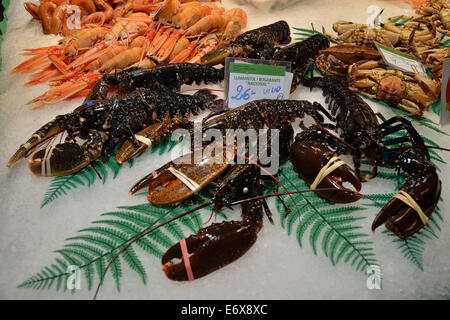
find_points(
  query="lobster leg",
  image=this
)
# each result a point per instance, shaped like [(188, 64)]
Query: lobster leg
[(215, 246), (301, 73), (404, 124)]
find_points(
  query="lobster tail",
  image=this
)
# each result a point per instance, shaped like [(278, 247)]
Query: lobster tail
[(300, 52)]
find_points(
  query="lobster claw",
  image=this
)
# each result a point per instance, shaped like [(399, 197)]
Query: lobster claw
[(168, 185), (309, 157), (218, 56), (212, 248), (47, 131), (148, 136), (61, 159), (401, 218)]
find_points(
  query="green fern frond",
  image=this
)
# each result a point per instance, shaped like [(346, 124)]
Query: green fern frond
[(412, 248), (305, 33), (94, 247), (436, 107), (401, 20), (332, 224)]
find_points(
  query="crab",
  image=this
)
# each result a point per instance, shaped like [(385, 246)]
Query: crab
[(335, 60), (361, 34), (390, 34), (436, 13), (412, 93)]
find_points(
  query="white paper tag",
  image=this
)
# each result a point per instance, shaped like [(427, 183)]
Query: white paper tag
[(253, 81), (445, 94), (401, 61)]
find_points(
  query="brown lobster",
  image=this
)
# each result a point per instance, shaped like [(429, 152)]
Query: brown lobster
[(363, 136), (235, 182)]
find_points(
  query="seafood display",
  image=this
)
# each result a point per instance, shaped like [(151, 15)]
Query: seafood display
[(54, 14), (336, 59), (312, 151), (437, 14), (105, 123), (410, 93), (177, 32), (258, 43), (241, 181), (412, 38), (63, 16), (366, 137), (356, 56), (130, 62)]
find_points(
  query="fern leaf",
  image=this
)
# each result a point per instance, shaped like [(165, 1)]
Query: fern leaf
[(129, 255), (116, 269), (314, 234), (327, 222), (93, 248)]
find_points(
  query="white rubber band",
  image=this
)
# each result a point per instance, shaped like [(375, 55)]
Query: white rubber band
[(143, 139), (326, 170), (188, 182), (406, 198), (27, 145), (46, 169)]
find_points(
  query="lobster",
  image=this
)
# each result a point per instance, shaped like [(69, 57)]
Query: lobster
[(231, 238), (302, 55), (104, 124), (164, 75), (177, 181), (257, 44), (363, 136)]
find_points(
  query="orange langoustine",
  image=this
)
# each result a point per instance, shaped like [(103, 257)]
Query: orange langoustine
[(113, 36)]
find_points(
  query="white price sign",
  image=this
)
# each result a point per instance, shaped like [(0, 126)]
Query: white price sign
[(249, 81), (400, 60)]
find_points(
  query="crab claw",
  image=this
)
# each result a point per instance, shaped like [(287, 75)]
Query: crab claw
[(180, 179), (212, 248), (401, 218), (309, 157), (60, 160)]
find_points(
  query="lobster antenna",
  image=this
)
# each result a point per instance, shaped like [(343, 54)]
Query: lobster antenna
[(335, 137), (418, 147), (96, 171), (143, 234), (212, 111), (303, 191), (203, 89)]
